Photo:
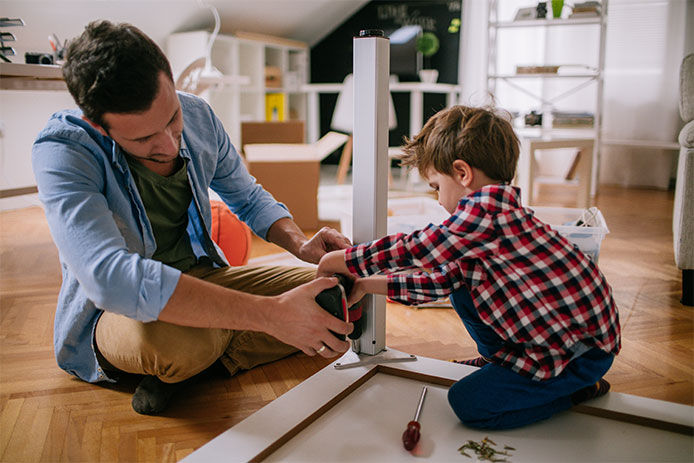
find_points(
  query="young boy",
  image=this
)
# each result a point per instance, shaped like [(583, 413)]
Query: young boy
[(540, 311)]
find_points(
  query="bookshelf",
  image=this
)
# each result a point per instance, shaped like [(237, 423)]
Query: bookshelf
[(274, 70), (577, 84)]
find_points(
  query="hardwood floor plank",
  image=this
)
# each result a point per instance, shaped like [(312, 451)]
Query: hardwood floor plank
[(168, 453), (182, 453), (146, 449), (57, 433), (38, 434), (110, 440), (127, 448), (8, 419), (19, 444)]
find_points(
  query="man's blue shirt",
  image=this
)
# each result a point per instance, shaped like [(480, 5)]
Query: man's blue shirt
[(102, 232)]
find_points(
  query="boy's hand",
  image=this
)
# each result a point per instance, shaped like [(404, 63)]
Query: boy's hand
[(332, 262), (375, 284), (358, 292)]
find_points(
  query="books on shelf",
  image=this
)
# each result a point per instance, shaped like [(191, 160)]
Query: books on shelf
[(537, 69), (563, 119), (584, 14), (589, 9)]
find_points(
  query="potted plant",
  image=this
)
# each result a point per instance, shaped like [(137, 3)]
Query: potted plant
[(428, 44)]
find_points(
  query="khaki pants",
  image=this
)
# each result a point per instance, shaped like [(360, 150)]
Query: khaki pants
[(174, 353)]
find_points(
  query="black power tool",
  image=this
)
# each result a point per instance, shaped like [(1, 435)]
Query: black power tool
[(334, 301)]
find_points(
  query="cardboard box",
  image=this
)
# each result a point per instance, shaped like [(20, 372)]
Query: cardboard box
[(295, 184), (291, 171), (272, 132)]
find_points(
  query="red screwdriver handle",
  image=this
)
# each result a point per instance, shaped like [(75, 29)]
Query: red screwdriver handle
[(411, 435)]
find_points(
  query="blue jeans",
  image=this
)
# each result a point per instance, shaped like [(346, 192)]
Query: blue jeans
[(495, 397)]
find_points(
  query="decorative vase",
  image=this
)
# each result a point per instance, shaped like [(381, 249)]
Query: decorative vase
[(428, 76)]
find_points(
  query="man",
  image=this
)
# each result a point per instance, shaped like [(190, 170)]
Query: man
[(125, 185)]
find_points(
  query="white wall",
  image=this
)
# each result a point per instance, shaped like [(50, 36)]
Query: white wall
[(20, 122), (645, 46)]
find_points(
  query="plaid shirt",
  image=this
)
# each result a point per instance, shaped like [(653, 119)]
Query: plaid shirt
[(536, 290)]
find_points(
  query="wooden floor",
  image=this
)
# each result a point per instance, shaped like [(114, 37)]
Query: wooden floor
[(47, 415)]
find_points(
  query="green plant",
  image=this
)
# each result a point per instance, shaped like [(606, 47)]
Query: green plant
[(427, 44)]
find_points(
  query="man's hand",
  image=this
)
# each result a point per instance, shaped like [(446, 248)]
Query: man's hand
[(298, 320), (327, 239)]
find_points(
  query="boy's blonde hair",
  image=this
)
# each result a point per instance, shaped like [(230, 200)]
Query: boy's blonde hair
[(478, 136)]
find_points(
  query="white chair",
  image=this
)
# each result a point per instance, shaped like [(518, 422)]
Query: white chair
[(343, 120)]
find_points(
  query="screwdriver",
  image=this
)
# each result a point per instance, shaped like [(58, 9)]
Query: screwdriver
[(411, 435)]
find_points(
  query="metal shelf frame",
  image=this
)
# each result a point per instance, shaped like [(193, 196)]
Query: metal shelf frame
[(589, 78)]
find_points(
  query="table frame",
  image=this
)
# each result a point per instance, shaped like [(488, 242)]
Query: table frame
[(583, 167), (415, 89)]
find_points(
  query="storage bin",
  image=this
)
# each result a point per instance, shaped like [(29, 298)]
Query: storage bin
[(563, 219)]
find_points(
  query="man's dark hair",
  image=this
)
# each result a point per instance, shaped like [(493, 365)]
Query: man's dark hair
[(113, 68)]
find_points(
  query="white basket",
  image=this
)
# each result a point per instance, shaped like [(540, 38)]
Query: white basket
[(588, 239)]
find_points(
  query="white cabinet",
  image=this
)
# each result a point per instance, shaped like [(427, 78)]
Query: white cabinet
[(522, 74), (29, 94), (275, 69)]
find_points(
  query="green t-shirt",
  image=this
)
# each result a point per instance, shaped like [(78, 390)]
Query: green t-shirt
[(166, 201)]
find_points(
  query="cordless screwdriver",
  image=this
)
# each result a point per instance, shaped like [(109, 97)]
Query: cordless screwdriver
[(334, 301)]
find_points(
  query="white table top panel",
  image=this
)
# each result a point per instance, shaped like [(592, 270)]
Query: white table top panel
[(382, 408), (369, 424)]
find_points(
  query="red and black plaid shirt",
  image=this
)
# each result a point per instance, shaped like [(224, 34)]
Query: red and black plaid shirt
[(536, 290)]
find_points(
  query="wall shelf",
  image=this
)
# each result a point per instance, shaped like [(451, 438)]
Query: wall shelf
[(546, 22), (576, 75)]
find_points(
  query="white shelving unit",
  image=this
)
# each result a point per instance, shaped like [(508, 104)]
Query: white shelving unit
[(547, 91), (248, 55)]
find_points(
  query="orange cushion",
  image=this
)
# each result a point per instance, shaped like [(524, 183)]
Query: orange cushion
[(231, 234)]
